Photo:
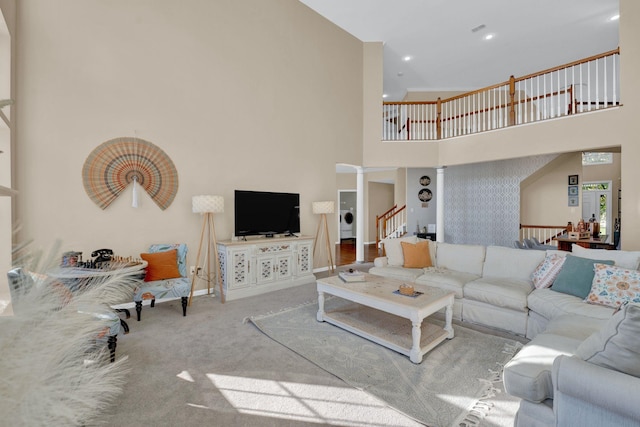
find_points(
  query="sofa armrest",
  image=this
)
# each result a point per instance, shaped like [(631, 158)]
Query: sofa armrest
[(594, 394), (382, 261)]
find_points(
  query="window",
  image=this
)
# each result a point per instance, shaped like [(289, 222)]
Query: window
[(590, 159)]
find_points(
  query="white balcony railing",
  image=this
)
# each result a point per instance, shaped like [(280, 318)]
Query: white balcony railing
[(586, 85)]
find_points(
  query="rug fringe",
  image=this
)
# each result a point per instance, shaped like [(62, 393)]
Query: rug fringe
[(481, 408), (282, 310)]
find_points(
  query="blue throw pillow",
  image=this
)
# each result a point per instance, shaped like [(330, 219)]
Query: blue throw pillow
[(576, 276)]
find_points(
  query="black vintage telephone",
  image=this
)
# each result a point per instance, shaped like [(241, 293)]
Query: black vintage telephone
[(102, 255)]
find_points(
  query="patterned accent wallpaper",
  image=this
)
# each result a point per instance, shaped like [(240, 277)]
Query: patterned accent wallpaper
[(482, 200)]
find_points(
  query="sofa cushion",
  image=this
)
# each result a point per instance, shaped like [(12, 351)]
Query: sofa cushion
[(416, 255), (511, 263), (528, 374), (574, 326), (547, 271), (616, 345), (501, 292), (614, 286), (446, 279), (624, 259), (550, 304), (576, 276), (393, 249), (399, 273), (463, 258)]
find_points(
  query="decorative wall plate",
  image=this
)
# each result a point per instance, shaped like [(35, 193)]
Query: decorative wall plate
[(425, 180), (425, 195)]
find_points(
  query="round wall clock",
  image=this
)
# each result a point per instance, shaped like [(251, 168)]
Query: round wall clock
[(425, 180), (425, 195)]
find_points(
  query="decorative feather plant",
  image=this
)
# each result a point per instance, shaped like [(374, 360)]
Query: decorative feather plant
[(55, 368)]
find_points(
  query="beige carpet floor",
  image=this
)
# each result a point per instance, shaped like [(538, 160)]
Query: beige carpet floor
[(213, 368)]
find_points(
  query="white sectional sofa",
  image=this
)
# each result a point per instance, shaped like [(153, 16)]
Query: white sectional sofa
[(553, 373), (491, 284)]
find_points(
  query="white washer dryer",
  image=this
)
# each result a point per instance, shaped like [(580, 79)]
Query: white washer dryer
[(346, 224)]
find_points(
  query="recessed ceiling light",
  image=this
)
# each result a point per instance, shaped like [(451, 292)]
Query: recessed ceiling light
[(489, 36), (406, 58), (384, 95), (614, 17)]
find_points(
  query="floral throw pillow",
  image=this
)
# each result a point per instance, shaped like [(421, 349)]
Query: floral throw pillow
[(614, 286), (547, 271)]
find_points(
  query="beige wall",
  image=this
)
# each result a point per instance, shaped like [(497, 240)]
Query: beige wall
[(380, 200), (257, 95), (429, 96), (544, 195)]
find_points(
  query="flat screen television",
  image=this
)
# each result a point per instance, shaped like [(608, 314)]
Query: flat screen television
[(266, 213)]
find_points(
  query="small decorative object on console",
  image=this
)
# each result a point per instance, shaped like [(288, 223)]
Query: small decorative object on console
[(406, 289), (579, 235), (352, 275)]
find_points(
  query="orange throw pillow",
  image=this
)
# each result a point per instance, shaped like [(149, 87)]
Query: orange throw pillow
[(416, 255), (162, 265)]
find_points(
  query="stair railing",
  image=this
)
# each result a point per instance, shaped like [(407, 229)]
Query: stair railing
[(545, 234), (580, 86), (391, 224)]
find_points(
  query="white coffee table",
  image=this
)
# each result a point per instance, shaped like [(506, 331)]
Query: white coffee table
[(378, 293)]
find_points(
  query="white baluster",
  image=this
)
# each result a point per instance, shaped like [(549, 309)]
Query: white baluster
[(606, 83), (614, 79)]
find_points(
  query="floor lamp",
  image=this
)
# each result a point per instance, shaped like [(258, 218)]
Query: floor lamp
[(207, 206), (322, 209)]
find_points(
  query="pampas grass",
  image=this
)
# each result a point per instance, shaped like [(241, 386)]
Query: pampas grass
[(54, 362)]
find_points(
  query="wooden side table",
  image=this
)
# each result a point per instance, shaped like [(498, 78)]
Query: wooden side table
[(564, 243)]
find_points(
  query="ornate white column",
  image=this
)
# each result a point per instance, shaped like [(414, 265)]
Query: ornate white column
[(360, 215), (440, 204)]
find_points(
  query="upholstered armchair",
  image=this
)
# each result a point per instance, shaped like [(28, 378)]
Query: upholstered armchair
[(166, 276)]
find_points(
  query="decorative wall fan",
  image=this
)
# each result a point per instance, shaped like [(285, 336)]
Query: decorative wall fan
[(115, 164)]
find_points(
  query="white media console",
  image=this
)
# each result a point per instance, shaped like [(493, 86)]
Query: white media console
[(257, 266)]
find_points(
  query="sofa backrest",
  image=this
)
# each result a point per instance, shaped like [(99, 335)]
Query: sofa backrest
[(503, 262), (464, 258), (624, 259)]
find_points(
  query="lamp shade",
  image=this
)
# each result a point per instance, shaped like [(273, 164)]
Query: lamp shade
[(323, 207), (206, 204)]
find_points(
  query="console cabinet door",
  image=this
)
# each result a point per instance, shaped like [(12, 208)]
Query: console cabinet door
[(284, 266), (238, 268), (265, 266), (304, 258)]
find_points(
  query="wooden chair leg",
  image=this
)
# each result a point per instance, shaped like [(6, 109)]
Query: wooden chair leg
[(111, 343), (125, 326)]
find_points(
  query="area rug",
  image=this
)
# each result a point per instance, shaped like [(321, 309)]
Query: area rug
[(453, 385)]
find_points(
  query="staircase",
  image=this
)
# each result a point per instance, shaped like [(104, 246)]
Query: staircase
[(391, 224)]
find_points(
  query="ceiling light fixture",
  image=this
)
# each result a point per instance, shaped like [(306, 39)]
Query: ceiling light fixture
[(489, 36), (615, 17), (406, 58), (384, 95)]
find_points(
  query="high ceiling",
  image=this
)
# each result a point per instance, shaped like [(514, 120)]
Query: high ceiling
[(447, 54)]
